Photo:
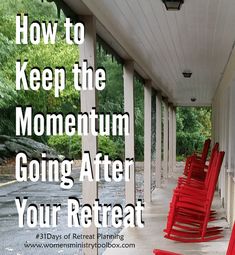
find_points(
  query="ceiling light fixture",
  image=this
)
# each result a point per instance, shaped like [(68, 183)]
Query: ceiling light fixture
[(193, 99), (173, 5), (187, 74)]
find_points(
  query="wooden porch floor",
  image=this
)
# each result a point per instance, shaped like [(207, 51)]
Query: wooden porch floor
[(152, 236)]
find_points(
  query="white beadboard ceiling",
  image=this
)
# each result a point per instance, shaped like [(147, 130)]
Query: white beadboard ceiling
[(163, 43)]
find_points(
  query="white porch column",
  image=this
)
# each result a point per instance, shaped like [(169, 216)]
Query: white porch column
[(158, 139), (174, 137), (128, 79), (165, 139), (89, 142), (147, 140), (170, 157)]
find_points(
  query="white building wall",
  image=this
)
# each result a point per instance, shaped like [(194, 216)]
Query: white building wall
[(223, 123)]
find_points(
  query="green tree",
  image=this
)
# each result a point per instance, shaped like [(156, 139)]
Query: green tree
[(139, 119), (193, 128), (58, 55)]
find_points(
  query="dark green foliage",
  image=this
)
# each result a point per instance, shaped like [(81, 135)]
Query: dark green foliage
[(112, 148), (153, 128), (110, 100), (139, 120), (60, 54), (69, 146), (8, 99), (188, 142), (193, 128)]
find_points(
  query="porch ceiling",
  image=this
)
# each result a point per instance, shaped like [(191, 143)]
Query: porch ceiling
[(163, 43)]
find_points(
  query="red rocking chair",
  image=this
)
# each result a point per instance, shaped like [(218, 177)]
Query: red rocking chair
[(230, 250), (190, 212)]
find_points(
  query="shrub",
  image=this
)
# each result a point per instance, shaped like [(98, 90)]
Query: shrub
[(69, 146), (187, 143), (72, 147), (114, 149)]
